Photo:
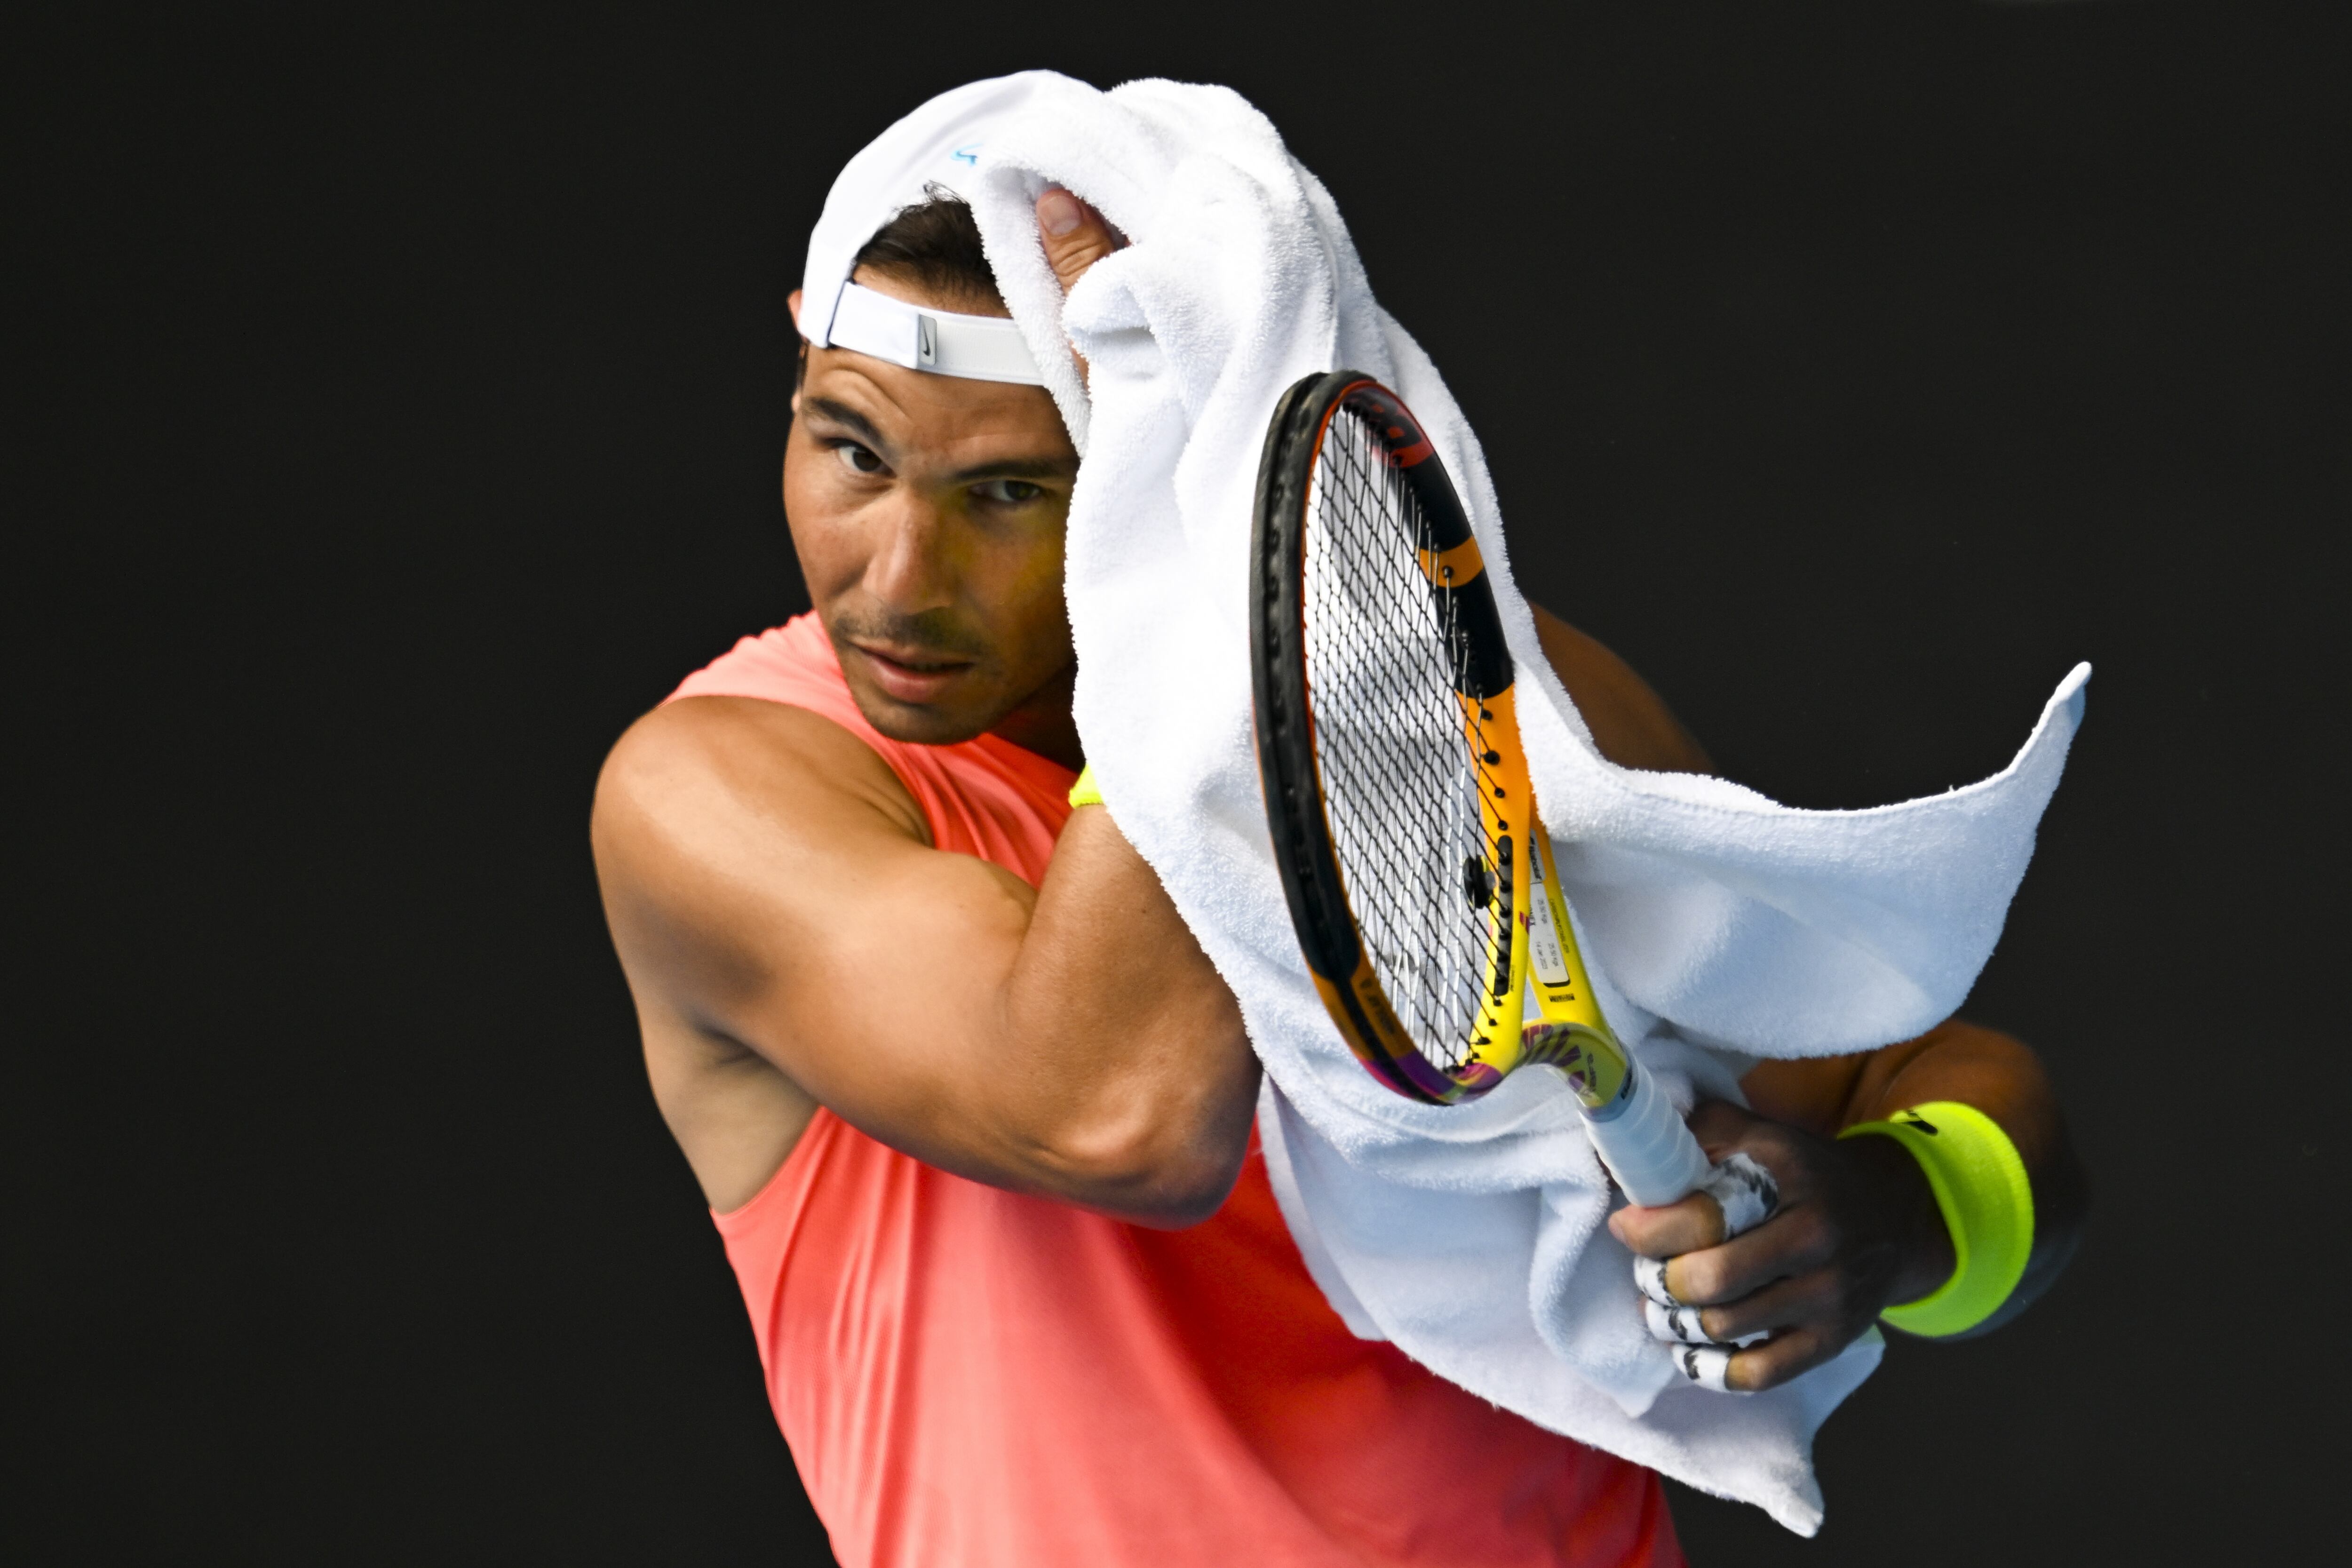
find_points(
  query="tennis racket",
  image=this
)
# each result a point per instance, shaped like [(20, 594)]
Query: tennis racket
[(1421, 883)]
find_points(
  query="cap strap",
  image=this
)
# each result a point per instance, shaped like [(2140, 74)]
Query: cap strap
[(944, 342)]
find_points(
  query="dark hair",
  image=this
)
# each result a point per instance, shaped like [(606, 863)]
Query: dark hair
[(935, 246)]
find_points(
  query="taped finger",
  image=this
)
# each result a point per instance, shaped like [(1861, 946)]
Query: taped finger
[(1650, 1276), (1680, 1326), (1706, 1365), (1675, 1325), (1745, 1191)]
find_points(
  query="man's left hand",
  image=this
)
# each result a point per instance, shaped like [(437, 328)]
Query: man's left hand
[(1856, 1230)]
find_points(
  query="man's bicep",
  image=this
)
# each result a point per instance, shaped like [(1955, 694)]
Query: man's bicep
[(767, 877), (881, 969)]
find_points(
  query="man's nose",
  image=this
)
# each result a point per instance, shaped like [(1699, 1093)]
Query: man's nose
[(910, 571)]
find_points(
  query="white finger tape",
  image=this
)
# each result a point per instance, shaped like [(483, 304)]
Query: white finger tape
[(1680, 1326), (1675, 1325), (1650, 1274), (1706, 1365), (1745, 1191)]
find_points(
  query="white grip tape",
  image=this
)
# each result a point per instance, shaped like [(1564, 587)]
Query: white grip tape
[(1647, 1147)]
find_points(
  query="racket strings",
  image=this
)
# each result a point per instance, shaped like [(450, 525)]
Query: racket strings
[(1403, 772)]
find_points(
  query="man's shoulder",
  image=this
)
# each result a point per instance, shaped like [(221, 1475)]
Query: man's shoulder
[(702, 766), (1629, 723)]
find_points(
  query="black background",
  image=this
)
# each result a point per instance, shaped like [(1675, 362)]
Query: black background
[(399, 397)]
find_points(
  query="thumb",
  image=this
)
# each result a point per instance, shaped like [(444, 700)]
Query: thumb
[(1074, 233)]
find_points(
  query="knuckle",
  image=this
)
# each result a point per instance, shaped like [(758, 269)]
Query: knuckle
[(1729, 1322), (1779, 1151), (1711, 1115), (1832, 1293), (1667, 1230), (1846, 1295), (1077, 265), (1799, 1352), (1638, 1233), (1812, 1234), (1856, 1306), (1696, 1277), (1691, 1222)]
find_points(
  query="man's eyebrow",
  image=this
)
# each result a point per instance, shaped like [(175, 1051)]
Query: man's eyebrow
[(856, 423), (1015, 468)]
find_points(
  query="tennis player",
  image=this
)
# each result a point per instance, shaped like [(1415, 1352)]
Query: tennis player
[(973, 1114)]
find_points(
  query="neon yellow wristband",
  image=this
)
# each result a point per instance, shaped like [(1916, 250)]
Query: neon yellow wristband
[(1980, 1185), (1084, 792)]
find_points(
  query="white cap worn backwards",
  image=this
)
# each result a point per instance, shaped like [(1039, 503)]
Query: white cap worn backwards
[(936, 146)]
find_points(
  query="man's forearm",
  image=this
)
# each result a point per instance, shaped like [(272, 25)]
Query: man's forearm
[(1994, 1072), (1111, 999), (2005, 1080)]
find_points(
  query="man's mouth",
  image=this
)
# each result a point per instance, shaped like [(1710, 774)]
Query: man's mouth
[(909, 675)]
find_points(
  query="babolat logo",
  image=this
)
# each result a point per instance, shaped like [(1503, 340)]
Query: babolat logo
[(1376, 1006), (1913, 1119), (966, 153)]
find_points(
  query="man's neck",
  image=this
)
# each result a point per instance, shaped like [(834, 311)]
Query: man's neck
[(1042, 721)]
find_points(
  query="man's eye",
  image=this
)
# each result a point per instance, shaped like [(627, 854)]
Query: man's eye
[(856, 458), (1008, 492)]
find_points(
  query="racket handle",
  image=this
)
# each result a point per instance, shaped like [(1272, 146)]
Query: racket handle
[(1647, 1146)]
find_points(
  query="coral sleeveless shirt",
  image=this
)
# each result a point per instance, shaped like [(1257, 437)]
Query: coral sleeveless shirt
[(973, 1378)]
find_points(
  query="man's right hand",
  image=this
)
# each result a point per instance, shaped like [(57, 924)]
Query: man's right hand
[(1076, 236)]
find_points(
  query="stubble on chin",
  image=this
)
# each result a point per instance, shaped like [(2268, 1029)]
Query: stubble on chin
[(927, 723)]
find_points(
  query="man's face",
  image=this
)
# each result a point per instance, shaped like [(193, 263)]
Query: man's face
[(928, 513)]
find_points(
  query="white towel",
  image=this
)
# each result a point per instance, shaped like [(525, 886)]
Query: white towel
[(1721, 926)]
